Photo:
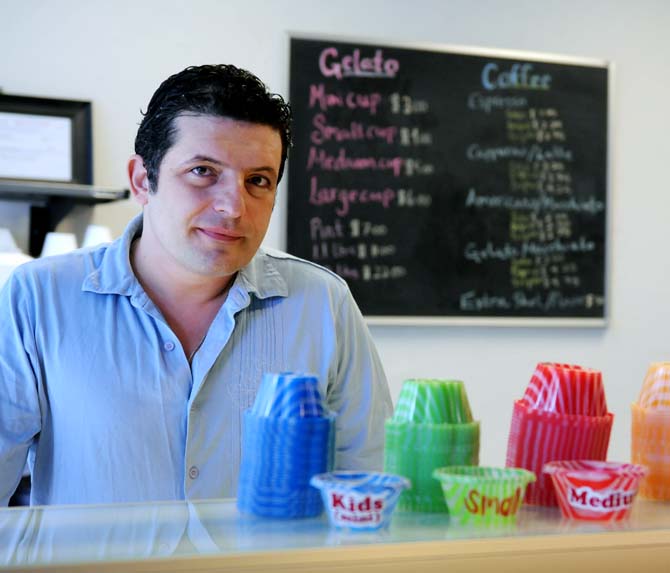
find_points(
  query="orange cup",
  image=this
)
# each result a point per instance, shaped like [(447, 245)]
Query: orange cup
[(650, 431), (655, 393), (650, 446)]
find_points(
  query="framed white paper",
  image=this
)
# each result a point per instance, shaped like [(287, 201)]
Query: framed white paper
[(35, 147), (43, 139)]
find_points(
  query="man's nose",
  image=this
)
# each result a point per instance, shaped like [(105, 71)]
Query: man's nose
[(229, 195)]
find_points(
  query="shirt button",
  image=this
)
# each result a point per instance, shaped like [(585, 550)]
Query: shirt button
[(193, 472), (169, 345)]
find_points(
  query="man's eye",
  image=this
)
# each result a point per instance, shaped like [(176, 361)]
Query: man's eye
[(202, 171), (259, 181)]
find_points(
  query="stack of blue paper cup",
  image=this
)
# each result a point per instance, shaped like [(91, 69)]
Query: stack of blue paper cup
[(288, 437)]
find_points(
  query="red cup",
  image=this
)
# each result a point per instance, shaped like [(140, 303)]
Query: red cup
[(595, 490), (566, 389), (537, 437)]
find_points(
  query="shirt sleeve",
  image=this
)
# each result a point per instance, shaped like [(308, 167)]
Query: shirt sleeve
[(19, 401), (359, 395)]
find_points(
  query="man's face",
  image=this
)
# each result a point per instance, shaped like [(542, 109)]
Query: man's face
[(215, 194)]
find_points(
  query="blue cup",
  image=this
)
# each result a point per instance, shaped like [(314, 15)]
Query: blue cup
[(288, 395), (287, 438)]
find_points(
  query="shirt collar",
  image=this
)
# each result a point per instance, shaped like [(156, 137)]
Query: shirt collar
[(262, 278), (113, 273)]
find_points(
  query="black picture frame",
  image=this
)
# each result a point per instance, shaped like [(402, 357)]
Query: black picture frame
[(79, 114)]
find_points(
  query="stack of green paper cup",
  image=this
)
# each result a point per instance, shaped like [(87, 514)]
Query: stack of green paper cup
[(431, 427)]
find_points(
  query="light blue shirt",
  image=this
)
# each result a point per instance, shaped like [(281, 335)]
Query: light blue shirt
[(96, 391)]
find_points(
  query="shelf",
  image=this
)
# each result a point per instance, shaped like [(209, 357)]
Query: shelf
[(39, 191), (50, 202)]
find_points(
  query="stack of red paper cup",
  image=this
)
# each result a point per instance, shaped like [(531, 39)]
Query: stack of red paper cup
[(562, 416)]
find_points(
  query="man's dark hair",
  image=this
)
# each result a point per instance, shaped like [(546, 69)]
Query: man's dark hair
[(220, 90)]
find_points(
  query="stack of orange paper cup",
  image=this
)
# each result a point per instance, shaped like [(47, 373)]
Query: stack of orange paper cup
[(562, 416), (650, 444)]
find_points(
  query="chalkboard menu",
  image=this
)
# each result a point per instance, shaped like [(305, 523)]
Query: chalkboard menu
[(451, 184)]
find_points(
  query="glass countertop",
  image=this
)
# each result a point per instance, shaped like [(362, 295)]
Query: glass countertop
[(58, 535)]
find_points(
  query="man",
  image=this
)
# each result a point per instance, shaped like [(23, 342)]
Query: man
[(125, 369)]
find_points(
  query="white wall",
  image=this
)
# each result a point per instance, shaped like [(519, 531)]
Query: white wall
[(116, 53)]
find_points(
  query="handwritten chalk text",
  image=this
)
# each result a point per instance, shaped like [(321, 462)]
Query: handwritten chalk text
[(533, 153), (356, 131), (348, 100), (407, 105), (473, 301), (344, 198), (382, 272), (592, 206), (354, 65), (507, 251), (362, 228), (488, 103), (519, 77), (342, 162), (320, 230)]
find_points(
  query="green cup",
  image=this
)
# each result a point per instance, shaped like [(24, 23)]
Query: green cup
[(483, 496), (415, 450), (431, 401), (408, 435), (431, 427)]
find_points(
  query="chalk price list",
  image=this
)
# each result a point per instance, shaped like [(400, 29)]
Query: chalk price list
[(350, 231), (543, 247)]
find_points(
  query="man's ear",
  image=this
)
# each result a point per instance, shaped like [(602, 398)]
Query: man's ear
[(139, 179)]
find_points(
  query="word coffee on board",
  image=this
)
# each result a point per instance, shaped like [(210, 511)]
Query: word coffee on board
[(450, 184)]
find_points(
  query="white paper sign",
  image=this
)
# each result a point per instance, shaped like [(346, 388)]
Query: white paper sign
[(35, 147)]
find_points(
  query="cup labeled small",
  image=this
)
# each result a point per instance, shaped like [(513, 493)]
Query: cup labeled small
[(478, 495)]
